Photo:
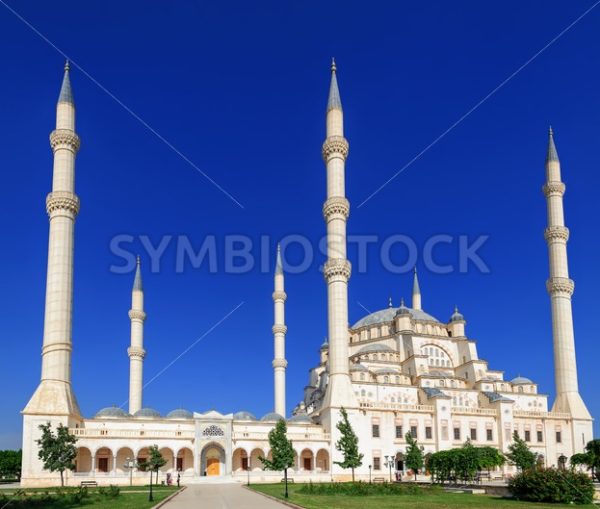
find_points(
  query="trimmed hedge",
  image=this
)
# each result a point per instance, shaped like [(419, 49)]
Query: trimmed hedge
[(363, 488), (552, 485)]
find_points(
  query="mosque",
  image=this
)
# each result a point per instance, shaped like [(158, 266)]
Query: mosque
[(396, 371)]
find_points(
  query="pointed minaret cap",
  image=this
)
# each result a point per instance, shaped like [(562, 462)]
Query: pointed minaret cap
[(416, 287), (66, 93), (389, 302), (278, 263), (137, 282), (552, 154), (334, 101)]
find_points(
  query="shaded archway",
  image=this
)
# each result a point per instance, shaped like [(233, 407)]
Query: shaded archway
[(169, 457), (255, 463), (400, 462), (212, 460), (104, 460), (322, 461), (239, 460), (83, 461), (185, 461), (307, 462), (124, 455)]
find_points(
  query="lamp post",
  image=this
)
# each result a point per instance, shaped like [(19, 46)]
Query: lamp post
[(389, 462), (150, 495), (248, 469), (370, 467), (130, 465)]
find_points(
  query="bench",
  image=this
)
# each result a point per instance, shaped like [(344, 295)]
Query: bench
[(290, 480), (88, 484), (379, 479)]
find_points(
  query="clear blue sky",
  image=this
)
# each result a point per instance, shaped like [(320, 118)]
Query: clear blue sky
[(240, 89)]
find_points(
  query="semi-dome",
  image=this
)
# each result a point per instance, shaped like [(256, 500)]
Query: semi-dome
[(147, 412), (387, 315), (358, 367), (180, 413), (111, 411), (244, 416), (387, 371), (520, 380), (301, 418), (271, 417), (374, 348)]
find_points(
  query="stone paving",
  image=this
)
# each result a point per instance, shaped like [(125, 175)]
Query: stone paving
[(220, 496)]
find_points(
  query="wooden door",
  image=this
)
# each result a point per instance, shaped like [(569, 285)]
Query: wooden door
[(307, 464), (212, 466)]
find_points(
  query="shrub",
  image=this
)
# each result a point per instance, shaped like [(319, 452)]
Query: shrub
[(111, 492), (552, 485)]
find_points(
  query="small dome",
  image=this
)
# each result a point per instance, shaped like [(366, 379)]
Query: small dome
[(325, 345), (376, 347), (301, 418), (358, 367), (180, 413), (244, 416), (456, 316), (147, 412), (271, 417), (112, 411), (402, 310), (520, 380)]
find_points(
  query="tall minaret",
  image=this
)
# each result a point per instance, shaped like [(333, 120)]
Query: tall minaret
[(136, 351), (337, 268), (416, 293), (560, 287), (54, 395), (279, 330)]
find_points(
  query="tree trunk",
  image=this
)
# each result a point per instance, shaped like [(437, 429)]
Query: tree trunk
[(285, 478), (62, 479), (352, 474)]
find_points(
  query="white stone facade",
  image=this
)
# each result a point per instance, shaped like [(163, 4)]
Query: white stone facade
[(396, 371)]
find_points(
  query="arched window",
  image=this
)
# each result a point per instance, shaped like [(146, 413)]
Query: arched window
[(386, 379), (442, 383), (521, 389)]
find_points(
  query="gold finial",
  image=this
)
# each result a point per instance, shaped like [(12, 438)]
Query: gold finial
[(137, 259), (333, 66), (389, 302), (67, 65)]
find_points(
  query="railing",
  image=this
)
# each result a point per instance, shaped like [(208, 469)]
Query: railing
[(130, 433), (401, 407), (541, 415), (296, 437), (474, 410)]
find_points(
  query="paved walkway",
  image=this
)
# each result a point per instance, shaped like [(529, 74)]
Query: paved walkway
[(221, 496)]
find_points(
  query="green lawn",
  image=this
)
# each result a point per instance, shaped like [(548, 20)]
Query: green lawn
[(441, 501), (126, 500)]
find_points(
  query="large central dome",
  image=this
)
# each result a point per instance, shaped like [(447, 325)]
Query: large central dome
[(388, 314)]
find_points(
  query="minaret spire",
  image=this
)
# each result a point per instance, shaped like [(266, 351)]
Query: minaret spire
[(54, 395), (66, 93), (561, 287), (337, 268), (136, 351), (416, 293), (279, 331)]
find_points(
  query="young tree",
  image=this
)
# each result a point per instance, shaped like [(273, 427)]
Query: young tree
[(282, 451), (414, 455), (348, 444), (10, 464), (153, 464), (520, 454), (57, 450)]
